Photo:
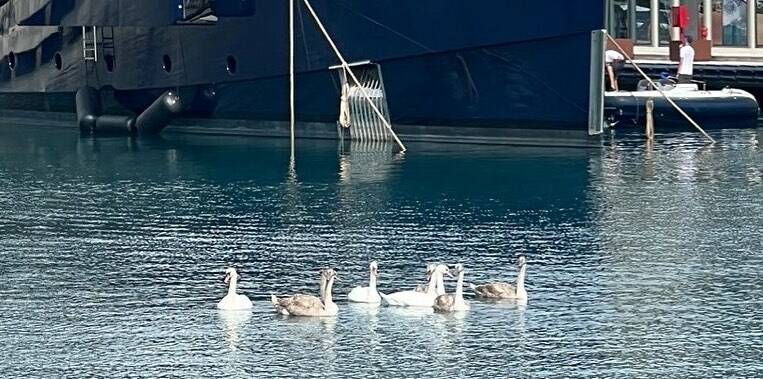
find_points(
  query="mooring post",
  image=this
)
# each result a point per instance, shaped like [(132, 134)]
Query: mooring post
[(650, 119)]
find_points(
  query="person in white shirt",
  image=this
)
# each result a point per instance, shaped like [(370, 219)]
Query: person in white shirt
[(614, 62), (686, 65)]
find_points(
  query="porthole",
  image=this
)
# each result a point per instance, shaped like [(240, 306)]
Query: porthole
[(58, 61), (12, 60), (167, 63), (231, 65), (109, 62)]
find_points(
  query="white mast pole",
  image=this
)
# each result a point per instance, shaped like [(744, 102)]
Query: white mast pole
[(292, 113)]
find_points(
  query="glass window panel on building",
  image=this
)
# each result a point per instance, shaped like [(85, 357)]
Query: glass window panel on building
[(759, 21), (665, 21), (730, 22), (702, 25), (618, 19), (644, 21)]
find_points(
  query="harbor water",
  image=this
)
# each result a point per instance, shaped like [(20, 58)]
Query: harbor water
[(643, 261)]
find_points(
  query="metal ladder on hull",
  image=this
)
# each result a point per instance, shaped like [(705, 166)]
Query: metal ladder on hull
[(94, 40), (90, 46)]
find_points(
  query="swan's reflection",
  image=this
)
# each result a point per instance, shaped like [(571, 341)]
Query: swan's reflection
[(369, 309), (510, 304), (233, 323), (321, 329), (452, 328), (410, 313), (445, 335), (522, 320), (366, 320)]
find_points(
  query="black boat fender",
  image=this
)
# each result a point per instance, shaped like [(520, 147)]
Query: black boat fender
[(159, 114), (114, 125), (152, 121), (88, 109)]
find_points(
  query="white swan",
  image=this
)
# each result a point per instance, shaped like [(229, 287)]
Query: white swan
[(439, 288), (453, 302), (502, 290), (367, 294), (414, 298), (307, 305), (423, 287), (233, 301)]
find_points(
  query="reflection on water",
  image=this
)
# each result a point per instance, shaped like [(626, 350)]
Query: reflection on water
[(644, 259), (367, 161), (371, 310), (233, 324)]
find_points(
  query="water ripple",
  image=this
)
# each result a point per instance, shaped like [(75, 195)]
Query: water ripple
[(643, 261)]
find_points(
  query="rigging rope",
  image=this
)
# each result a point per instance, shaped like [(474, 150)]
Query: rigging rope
[(346, 67)]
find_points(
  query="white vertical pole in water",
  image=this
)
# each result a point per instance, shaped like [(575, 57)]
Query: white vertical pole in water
[(596, 87), (292, 113), (650, 119), (654, 26)]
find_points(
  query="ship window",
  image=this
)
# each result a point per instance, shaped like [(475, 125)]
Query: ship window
[(167, 63), (109, 62), (12, 60), (59, 62), (232, 65)]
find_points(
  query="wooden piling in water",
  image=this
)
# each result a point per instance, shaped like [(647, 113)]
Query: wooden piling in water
[(650, 119)]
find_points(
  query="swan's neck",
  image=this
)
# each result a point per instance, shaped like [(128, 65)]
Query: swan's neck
[(460, 287), (232, 286), (323, 287), (326, 292), (440, 284), (432, 285), (521, 280), (372, 282)]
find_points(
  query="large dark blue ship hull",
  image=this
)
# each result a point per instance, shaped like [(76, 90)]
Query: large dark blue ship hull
[(482, 68)]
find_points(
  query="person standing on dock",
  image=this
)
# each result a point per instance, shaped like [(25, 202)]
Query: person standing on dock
[(686, 65), (614, 62)]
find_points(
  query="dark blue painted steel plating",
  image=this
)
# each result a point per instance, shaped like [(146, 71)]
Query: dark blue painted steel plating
[(493, 63)]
